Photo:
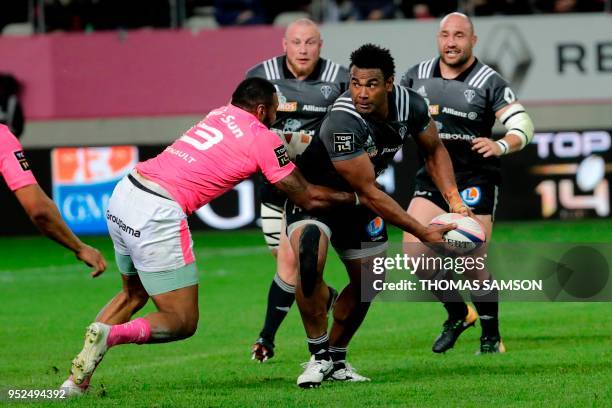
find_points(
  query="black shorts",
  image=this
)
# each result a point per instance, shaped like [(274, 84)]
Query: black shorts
[(354, 231), (482, 199)]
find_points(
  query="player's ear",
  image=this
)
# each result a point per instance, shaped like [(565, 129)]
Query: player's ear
[(389, 83), (284, 45), (260, 112), (474, 40)]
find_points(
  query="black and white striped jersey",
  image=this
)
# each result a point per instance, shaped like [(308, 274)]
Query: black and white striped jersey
[(346, 134), (463, 109), (302, 104)]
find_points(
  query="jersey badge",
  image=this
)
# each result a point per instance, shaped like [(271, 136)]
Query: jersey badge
[(344, 142), (23, 162), (471, 195), (326, 90), (375, 227), (282, 156), (469, 95), (292, 125)]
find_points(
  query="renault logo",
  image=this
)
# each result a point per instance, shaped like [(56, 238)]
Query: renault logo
[(507, 52)]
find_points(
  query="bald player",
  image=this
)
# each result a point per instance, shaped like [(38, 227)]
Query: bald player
[(306, 85), (465, 97)]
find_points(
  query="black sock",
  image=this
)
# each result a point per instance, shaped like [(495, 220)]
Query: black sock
[(280, 298), (456, 310), (487, 306), (338, 356), (452, 299), (319, 347)]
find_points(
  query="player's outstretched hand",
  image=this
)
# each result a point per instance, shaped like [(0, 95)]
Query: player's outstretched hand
[(486, 147), (92, 257), (435, 233)]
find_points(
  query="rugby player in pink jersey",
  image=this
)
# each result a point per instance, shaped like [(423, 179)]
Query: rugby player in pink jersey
[(147, 220), (40, 208)]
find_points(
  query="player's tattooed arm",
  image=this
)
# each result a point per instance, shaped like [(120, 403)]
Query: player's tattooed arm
[(44, 214), (311, 197), (359, 173), (440, 168)]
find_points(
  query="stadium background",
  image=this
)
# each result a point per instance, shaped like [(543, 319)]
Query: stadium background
[(129, 84)]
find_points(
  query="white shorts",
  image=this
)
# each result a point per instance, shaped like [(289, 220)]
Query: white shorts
[(152, 230)]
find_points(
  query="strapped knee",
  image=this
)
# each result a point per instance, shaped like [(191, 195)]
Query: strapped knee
[(309, 254)]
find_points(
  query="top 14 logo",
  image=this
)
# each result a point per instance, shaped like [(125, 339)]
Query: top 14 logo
[(586, 171)]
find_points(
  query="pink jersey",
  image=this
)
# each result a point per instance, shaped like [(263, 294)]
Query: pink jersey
[(13, 164), (228, 146)]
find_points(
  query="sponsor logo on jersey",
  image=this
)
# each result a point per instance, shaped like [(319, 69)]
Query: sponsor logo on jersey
[(439, 125), (287, 106), (375, 227), (469, 95), (421, 193), (391, 149), (434, 109), (454, 112), (344, 142), (23, 162), (122, 225), (372, 151), (314, 108), (326, 90), (421, 91), (456, 136), (471, 195), (282, 156)]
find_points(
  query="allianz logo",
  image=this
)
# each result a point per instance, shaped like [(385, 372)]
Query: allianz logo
[(454, 112), (314, 108)]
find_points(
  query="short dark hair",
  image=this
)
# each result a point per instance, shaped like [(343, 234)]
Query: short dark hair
[(252, 92), (373, 56)]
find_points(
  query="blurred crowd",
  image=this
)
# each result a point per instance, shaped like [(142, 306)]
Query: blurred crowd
[(88, 15)]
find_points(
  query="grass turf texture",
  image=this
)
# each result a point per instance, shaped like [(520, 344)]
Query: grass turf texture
[(558, 354)]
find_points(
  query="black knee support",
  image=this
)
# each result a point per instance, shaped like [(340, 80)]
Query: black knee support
[(309, 253)]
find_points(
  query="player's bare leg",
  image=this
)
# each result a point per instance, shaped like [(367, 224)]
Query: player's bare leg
[(312, 294), (310, 243), (349, 312), (126, 303), (176, 319), (119, 309)]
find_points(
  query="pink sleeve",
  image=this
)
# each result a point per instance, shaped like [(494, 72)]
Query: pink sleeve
[(272, 157), (13, 164)]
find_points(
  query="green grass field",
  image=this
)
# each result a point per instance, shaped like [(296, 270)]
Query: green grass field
[(559, 354)]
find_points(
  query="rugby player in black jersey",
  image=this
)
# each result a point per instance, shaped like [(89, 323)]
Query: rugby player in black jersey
[(366, 126), (465, 97)]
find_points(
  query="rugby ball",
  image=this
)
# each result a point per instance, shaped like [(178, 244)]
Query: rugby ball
[(468, 234)]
